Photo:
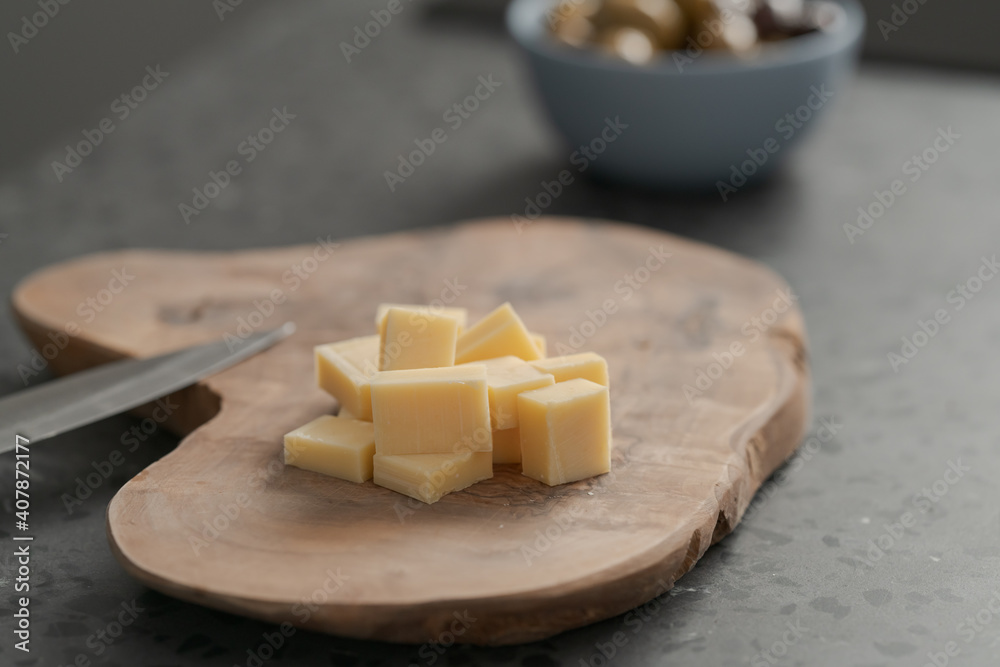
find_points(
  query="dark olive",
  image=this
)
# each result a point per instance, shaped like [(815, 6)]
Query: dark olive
[(781, 19)]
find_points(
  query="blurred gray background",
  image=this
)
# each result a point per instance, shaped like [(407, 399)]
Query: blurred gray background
[(62, 79)]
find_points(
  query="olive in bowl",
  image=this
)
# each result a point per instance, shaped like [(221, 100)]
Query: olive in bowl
[(698, 106)]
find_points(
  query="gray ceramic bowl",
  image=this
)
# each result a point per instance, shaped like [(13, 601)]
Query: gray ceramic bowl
[(694, 121)]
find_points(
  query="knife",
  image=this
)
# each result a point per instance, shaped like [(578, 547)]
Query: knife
[(86, 397)]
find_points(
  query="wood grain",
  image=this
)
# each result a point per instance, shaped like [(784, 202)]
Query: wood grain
[(524, 560)]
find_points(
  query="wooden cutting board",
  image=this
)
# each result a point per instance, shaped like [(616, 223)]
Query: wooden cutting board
[(221, 522)]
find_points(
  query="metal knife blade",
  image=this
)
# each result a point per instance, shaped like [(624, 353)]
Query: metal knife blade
[(86, 397)]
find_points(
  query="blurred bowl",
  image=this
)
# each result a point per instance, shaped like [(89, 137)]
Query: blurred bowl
[(688, 120)]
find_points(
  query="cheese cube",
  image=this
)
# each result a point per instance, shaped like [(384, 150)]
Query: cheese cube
[(586, 365), (507, 446), (507, 377), (565, 431), (504, 387), (539, 341), (414, 339), (431, 410), (460, 314), (344, 370), (497, 364), (333, 446), (428, 477), (500, 333)]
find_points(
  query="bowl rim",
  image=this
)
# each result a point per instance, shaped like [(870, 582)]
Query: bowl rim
[(525, 21)]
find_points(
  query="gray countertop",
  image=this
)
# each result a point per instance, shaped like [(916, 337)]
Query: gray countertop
[(799, 582)]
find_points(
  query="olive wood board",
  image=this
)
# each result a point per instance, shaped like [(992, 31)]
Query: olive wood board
[(221, 522)]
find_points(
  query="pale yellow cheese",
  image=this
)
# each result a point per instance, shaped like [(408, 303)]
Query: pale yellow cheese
[(417, 340), (344, 370), (333, 446), (460, 314), (428, 477), (498, 334), (540, 344), (497, 364), (586, 365), (504, 387), (565, 431), (507, 446), (431, 411), (507, 377)]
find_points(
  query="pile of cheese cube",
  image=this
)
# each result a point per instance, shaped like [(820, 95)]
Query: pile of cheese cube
[(429, 405)]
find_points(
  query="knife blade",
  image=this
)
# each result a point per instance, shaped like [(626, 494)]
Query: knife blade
[(83, 398)]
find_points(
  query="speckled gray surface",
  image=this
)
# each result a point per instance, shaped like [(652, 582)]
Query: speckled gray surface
[(798, 583)]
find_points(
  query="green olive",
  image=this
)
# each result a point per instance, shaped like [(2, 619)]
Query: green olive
[(636, 30), (662, 19), (630, 44), (722, 25), (739, 35), (575, 30), (698, 10)]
